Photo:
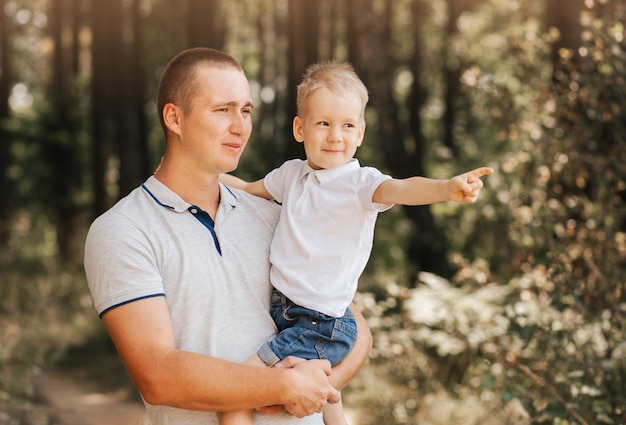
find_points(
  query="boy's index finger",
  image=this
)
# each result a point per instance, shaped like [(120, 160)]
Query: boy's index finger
[(479, 172)]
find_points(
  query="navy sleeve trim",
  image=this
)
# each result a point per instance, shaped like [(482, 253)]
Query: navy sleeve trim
[(130, 301)]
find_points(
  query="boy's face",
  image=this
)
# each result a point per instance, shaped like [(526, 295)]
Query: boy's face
[(331, 128)]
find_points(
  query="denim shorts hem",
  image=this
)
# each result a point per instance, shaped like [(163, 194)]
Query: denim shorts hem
[(266, 354)]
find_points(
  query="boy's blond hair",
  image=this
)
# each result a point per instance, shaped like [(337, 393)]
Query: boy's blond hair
[(340, 78)]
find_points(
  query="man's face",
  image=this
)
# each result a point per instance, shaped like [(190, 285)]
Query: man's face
[(217, 125)]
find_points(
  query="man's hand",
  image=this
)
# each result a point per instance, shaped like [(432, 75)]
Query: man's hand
[(466, 187), (310, 387)]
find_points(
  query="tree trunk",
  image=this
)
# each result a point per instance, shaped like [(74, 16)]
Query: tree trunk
[(284, 107), (122, 107), (268, 137), (370, 46), (128, 114), (60, 73), (565, 16), (137, 78), (62, 148), (5, 139), (303, 50), (101, 86), (427, 250), (452, 73), (327, 32), (369, 41), (205, 23), (76, 16)]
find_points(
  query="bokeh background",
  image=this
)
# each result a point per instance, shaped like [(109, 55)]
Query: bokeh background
[(508, 311)]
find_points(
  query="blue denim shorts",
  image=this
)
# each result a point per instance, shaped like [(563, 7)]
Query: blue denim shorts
[(307, 334)]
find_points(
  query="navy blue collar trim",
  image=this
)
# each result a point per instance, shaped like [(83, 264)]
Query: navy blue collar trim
[(230, 191), (143, 186), (204, 218)]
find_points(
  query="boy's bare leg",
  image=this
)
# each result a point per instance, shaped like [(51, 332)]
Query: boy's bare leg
[(241, 417), (333, 414)]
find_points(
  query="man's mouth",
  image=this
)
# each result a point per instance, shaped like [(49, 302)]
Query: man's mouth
[(235, 146)]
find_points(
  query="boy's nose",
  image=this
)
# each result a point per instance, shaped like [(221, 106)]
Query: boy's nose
[(334, 135)]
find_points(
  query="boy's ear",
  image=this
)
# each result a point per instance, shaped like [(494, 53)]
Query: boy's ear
[(297, 130), (361, 133), (171, 117)]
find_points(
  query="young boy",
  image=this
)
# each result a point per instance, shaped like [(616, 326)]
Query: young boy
[(325, 232)]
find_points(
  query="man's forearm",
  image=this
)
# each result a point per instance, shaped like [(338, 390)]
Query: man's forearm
[(192, 381), (166, 376)]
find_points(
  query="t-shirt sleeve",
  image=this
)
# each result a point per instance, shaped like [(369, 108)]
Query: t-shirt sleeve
[(276, 180), (370, 179), (120, 263)]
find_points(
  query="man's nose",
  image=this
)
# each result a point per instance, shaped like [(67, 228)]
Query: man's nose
[(238, 123)]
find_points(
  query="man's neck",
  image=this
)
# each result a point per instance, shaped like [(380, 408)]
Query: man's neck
[(200, 190)]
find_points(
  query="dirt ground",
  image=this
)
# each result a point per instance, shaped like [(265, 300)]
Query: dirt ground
[(93, 390), (73, 400)]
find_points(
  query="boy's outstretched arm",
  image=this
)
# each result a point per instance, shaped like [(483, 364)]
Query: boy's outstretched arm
[(256, 188), (423, 191)]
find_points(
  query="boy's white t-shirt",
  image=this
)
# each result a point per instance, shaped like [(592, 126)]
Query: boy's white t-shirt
[(324, 236)]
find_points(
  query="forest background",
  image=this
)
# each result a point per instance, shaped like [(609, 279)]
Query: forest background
[(509, 311)]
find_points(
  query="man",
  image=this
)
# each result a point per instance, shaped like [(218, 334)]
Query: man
[(179, 269)]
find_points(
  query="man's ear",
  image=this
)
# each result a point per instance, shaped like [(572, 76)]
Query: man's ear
[(298, 134), (171, 117)]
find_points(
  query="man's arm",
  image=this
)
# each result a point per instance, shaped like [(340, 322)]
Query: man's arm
[(256, 188), (143, 335), (424, 191)]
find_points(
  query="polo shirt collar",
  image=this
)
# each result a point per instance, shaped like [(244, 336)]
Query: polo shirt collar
[(327, 175), (167, 198)]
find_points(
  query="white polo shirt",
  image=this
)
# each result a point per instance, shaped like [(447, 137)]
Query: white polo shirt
[(325, 233), (151, 244)]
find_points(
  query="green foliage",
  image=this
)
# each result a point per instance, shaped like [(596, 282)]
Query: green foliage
[(498, 353), (42, 302), (50, 152), (586, 168), (44, 309)]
